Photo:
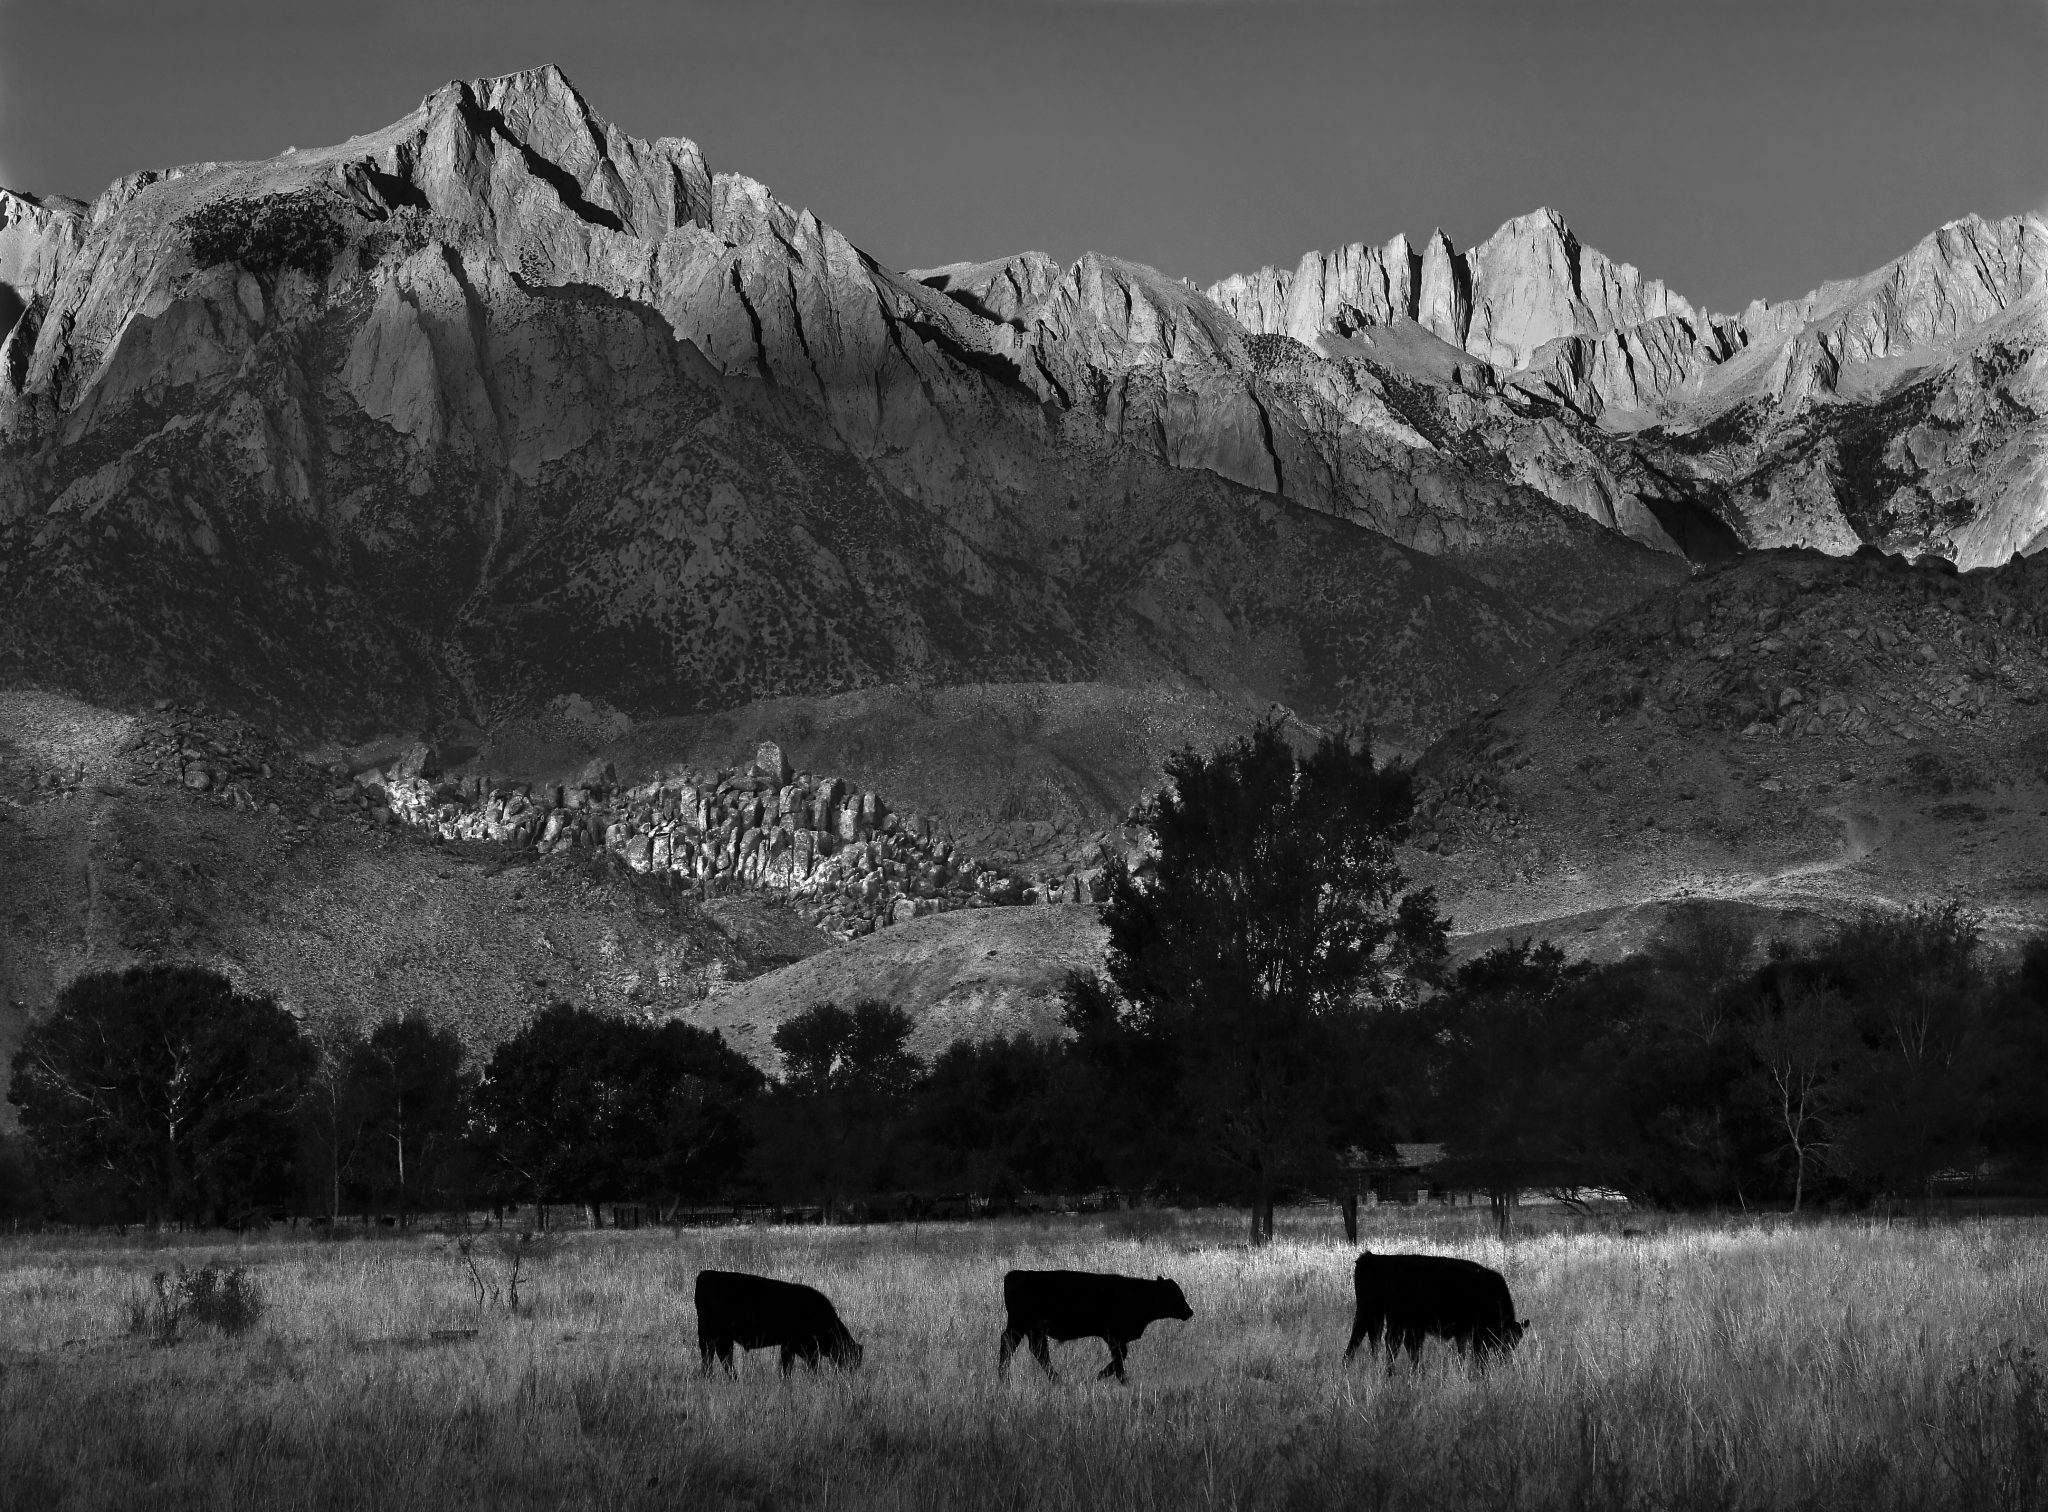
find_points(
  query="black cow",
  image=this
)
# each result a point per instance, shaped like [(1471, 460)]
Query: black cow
[(757, 1313), (1065, 1305), (1406, 1297)]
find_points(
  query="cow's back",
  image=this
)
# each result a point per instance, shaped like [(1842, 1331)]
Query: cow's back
[(1069, 1304), (1435, 1292), (758, 1311)]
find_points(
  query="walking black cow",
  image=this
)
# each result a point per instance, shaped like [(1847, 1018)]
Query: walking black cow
[(755, 1312), (1405, 1297), (1063, 1305)]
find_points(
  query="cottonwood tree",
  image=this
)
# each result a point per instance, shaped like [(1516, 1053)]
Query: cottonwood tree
[(1916, 999), (585, 1107), (836, 1123), (168, 1085), (1803, 1049), (827, 1048), (983, 1117), (406, 1079), (333, 1117), (2016, 1062), (1273, 917), (1507, 1037)]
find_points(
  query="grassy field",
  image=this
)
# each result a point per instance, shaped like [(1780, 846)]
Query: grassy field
[(1830, 1365)]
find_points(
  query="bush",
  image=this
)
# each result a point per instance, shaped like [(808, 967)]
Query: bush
[(1996, 1446), (209, 1297), (268, 234)]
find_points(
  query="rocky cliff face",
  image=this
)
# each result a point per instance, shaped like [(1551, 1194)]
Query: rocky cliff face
[(1853, 415)]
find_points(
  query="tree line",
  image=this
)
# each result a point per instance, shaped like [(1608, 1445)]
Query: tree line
[(1276, 1012)]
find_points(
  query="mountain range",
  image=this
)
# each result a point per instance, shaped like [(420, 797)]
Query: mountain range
[(505, 429)]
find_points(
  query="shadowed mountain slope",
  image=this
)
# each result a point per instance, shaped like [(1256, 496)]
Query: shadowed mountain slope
[(1795, 731)]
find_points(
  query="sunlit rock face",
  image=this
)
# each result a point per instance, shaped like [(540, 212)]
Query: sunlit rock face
[(499, 404), (1901, 409), (535, 407)]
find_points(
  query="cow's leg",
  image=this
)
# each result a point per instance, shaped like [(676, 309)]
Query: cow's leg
[(1012, 1337), (705, 1351), (1358, 1331), (725, 1357), (1041, 1351), (788, 1358), (1412, 1341), (1115, 1367)]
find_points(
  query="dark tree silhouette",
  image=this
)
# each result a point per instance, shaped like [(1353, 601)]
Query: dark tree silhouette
[(834, 1129), (168, 1085), (1508, 1040), (1915, 995), (407, 1080), (982, 1117), (2016, 1114), (827, 1048), (1273, 917), (334, 1120), (582, 1107), (17, 1185)]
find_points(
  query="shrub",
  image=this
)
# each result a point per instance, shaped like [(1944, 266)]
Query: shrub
[(268, 234), (1996, 1443), (209, 1297)]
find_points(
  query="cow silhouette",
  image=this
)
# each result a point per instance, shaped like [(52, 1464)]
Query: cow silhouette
[(755, 1312), (1405, 1298), (1060, 1305)]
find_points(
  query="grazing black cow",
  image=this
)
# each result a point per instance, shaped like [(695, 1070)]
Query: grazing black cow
[(1063, 1305), (1406, 1297), (757, 1313)]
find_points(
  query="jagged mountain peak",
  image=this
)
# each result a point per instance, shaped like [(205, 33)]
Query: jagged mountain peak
[(1530, 283)]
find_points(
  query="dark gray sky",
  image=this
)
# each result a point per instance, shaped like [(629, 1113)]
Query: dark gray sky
[(1734, 149)]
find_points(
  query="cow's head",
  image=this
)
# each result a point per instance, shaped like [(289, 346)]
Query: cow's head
[(1512, 1334), (1171, 1303), (845, 1351)]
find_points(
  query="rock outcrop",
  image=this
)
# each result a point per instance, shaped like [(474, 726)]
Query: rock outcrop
[(847, 861)]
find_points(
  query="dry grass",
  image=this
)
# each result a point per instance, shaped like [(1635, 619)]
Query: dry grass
[(1838, 1365)]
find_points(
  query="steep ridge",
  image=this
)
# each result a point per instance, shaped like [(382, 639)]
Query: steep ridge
[(499, 404)]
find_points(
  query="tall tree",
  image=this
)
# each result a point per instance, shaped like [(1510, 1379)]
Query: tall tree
[(334, 1119), (1916, 996), (984, 1116), (834, 1127), (17, 1186), (1273, 917), (1509, 1041), (584, 1107), (827, 1048), (2016, 1114), (169, 1084), (1803, 1046), (407, 1079)]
